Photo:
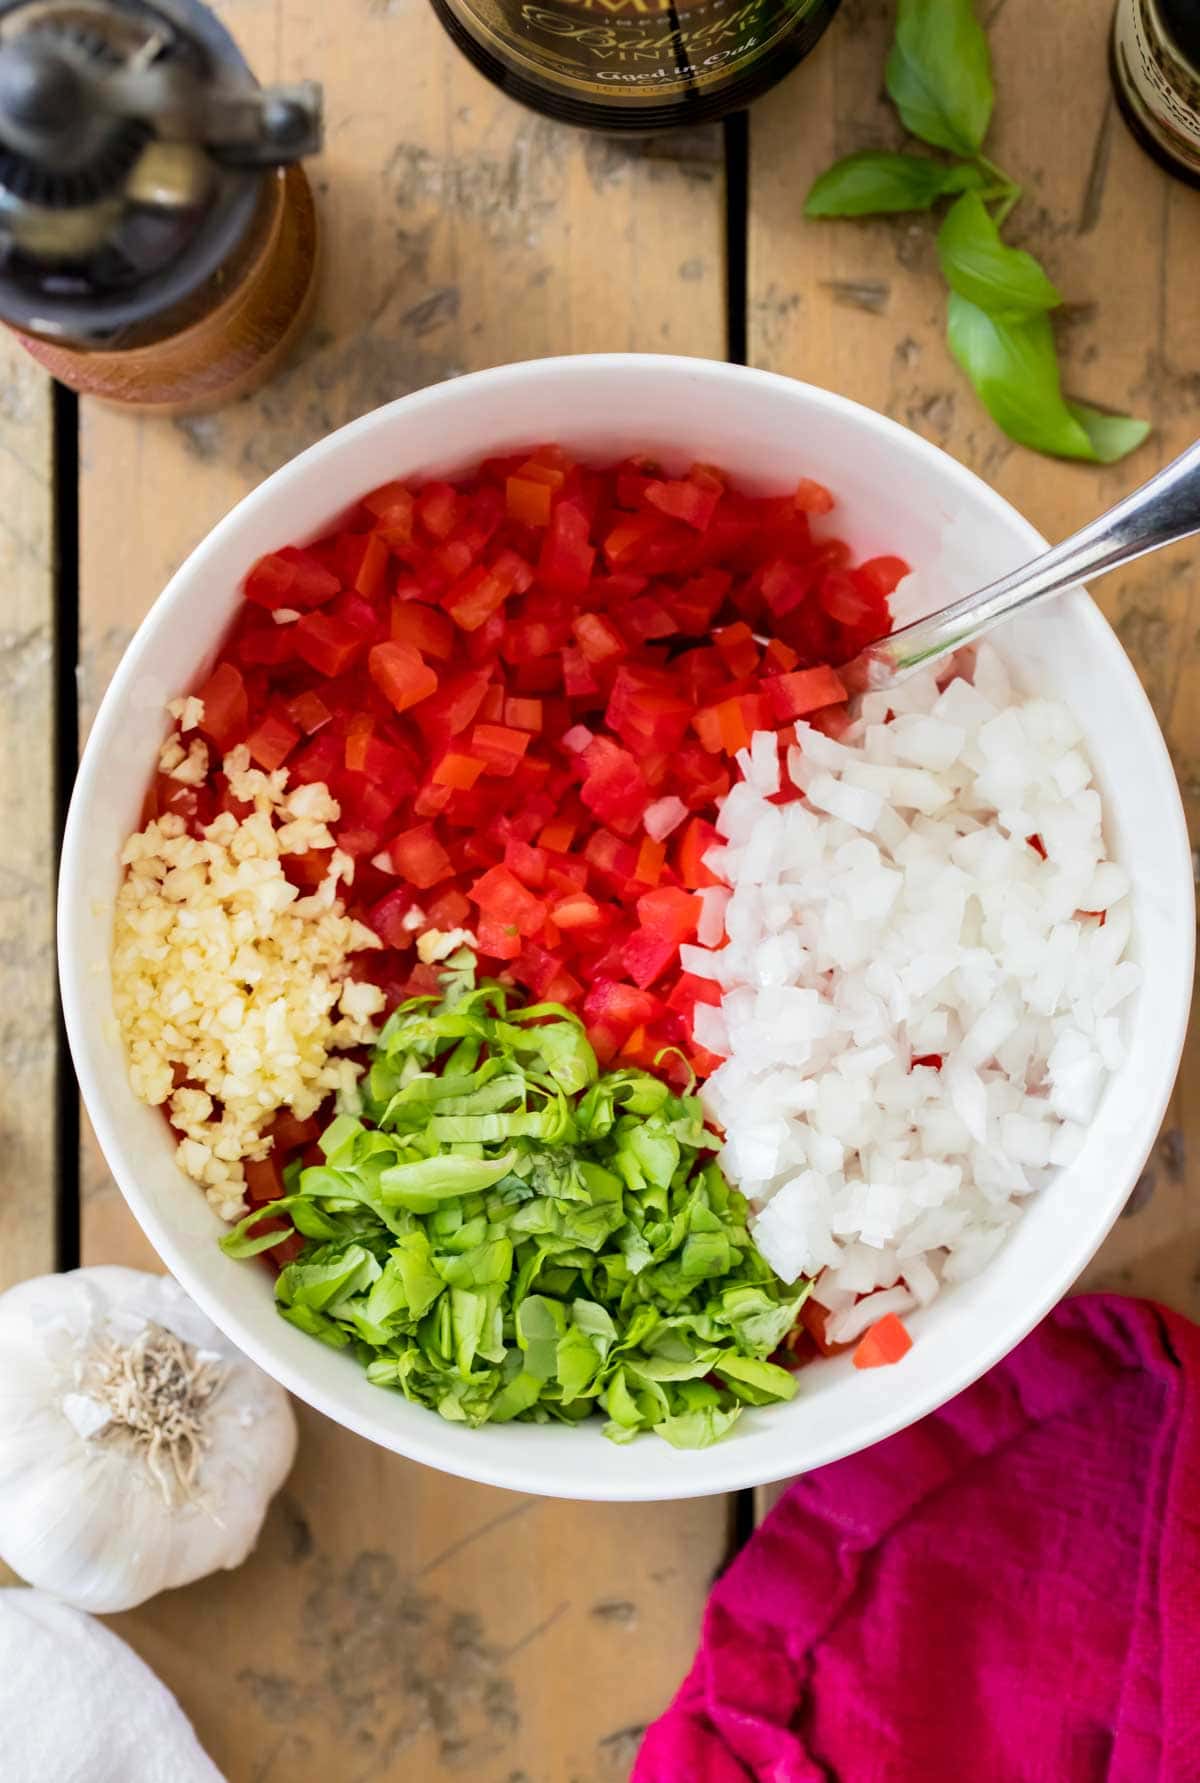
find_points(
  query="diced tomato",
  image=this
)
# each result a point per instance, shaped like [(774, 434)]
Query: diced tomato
[(577, 911), (499, 940), (289, 1134), (523, 714), (886, 1342), (437, 509), (815, 1319), (319, 760), (812, 498), (612, 1011), (448, 712), (458, 772), (358, 734), (272, 741), (613, 787), (881, 574), (308, 710), (566, 557), (785, 586), (557, 836), (449, 910), (696, 602), (528, 501), (499, 747), (579, 682), (476, 597), (226, 707), (737, 646), (264, 1179), (419, 857), (306, 871), (778, 657), (670, 912), (391, 507), (695, 843), (651, 859), (693, 503), (373, 568), (328, 645), (500, 895), (801, 691), (422, 628), (645, 712), (401, 674), (387, 917), (730, 724), (290, 578), (266, 646)]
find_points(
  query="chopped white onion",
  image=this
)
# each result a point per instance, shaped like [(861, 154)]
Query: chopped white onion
[(895, 913), (663, 816)]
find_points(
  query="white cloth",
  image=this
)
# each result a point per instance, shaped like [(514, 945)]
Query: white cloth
[(78, 1706)]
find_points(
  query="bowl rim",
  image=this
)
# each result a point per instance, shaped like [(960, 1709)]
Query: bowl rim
[(727, 1467)]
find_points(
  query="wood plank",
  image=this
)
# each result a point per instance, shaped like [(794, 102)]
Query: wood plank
[(28, 1034), (29, 1058), (459, 232), (859, 307)]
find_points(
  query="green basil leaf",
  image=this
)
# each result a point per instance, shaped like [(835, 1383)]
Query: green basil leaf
[(1014, 368), (1112, 436), (420, 1185), (1006, 282), (873, 182), (939, 74)]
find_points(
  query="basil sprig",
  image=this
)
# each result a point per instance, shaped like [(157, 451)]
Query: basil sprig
[(939, 79)]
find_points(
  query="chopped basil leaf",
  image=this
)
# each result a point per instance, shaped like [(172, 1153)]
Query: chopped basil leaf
[(507, 1233)]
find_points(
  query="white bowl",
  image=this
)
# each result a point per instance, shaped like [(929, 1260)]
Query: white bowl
[(895, 493)]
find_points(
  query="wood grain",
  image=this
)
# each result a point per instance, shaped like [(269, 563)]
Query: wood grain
[(29, 1060), (28, 1037), (395, 1623), (860, 308)]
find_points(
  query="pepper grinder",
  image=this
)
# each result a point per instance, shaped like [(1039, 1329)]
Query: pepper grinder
[(157, 233)]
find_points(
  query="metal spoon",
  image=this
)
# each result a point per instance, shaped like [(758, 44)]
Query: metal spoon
[(1163, 510)]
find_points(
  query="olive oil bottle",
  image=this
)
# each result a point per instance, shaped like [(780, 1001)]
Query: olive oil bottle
[(637, 65)]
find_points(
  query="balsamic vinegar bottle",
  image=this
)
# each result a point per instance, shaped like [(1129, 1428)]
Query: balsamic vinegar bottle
[(636, 65)]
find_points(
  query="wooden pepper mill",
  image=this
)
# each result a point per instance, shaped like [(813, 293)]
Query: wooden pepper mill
[(157, 234)]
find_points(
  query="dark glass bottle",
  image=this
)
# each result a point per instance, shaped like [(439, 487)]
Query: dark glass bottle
[(636, 65), (1156, 74)]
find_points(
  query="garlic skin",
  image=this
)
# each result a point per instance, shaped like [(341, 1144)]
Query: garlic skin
[(78, 1706), (138, 1448)]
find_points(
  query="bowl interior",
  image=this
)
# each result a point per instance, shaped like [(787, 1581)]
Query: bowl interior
[(895, 493)]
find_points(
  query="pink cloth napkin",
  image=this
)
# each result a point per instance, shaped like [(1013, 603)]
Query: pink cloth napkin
[(1008, 1592)]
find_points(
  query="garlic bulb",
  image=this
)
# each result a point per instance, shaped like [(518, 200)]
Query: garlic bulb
[(138, 1448), (78, 1706)]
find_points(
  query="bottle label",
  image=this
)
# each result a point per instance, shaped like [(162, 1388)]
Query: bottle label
[(639, 51), (1162, 90)]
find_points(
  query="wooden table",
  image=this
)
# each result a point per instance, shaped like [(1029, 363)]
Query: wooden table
[(393, 1623)]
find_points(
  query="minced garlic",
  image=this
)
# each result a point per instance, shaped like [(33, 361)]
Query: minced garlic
[(225, 976)]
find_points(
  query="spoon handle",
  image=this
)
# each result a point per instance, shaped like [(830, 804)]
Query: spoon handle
[(1163, 510)]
